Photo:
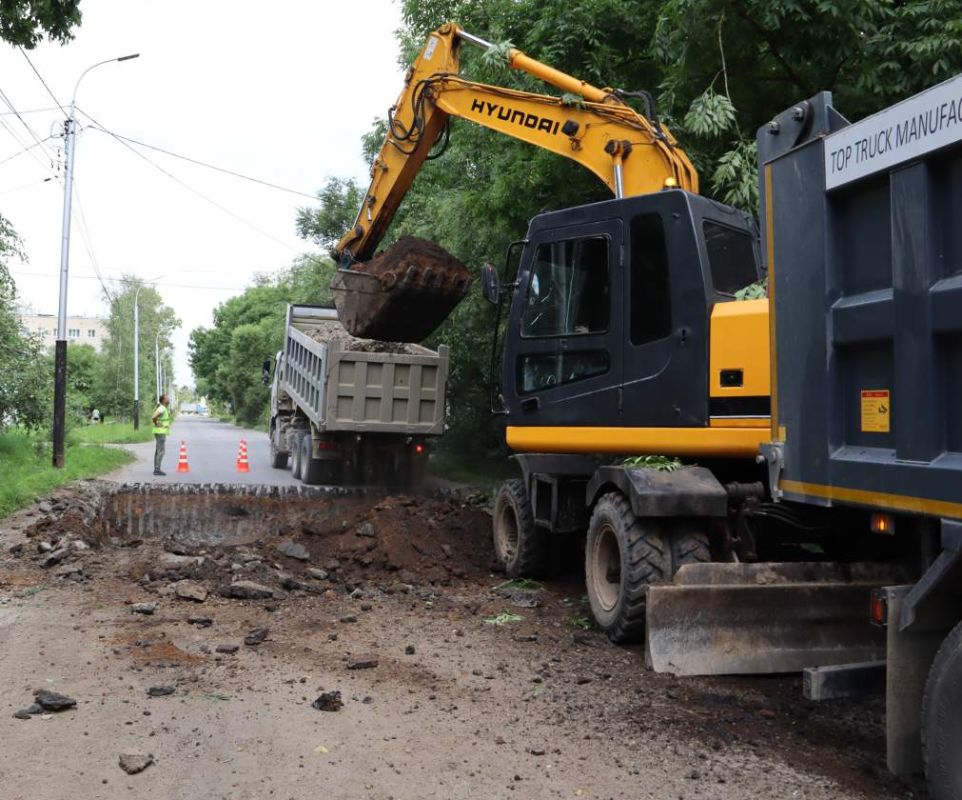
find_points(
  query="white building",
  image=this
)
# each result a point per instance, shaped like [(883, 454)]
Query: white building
[(80, 330)]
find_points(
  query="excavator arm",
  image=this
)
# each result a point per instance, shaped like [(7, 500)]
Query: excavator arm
[(630, 152)]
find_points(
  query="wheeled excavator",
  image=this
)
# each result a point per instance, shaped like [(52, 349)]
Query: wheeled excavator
[(817, 480)]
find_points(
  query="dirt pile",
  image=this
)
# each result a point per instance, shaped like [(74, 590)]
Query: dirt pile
[(326, 332), (390, 543)]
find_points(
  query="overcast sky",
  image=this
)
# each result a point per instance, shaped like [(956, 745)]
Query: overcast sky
[(279, 91)]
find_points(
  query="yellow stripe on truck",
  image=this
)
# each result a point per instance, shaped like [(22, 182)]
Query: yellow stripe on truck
[(704, 442)]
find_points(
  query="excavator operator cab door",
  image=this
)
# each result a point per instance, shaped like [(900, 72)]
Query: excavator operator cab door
[(610, 321), (562, 349)]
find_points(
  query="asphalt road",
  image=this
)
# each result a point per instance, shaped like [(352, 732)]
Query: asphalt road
[(211, 455)]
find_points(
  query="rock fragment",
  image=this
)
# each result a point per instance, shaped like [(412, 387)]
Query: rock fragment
[(143, 608), (160, 691), (362, 662), (256, 637), (294, 550), (328, 701), (190, 590), (227, 648), (200, 622), (133, 761), (53, 701), (249, 590)]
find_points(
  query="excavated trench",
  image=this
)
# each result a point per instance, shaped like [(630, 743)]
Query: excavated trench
[(218, 514)]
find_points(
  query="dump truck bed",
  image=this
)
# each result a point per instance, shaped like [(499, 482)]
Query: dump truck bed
[(342, 383)]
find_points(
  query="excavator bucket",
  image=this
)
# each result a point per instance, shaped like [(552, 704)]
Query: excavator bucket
[(730, 619), (402, 294)]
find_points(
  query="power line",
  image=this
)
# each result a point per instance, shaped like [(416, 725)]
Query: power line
[(27, 111), (37, 73), (25, 186), (26, 149), (88, 242), (191, 189), (123, 280), (23, 145), (30, 130), (205, 164)]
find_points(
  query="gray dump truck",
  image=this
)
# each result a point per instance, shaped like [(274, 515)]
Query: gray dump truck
[(348, 410)]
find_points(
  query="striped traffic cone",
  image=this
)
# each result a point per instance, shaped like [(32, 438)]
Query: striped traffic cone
[(182, 465), (242, 465)]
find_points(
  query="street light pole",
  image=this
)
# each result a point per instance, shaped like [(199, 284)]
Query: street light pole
[(60, 357), (158, 382)]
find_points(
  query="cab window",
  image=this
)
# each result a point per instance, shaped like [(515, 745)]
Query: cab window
[(731, 256), (568, 289)]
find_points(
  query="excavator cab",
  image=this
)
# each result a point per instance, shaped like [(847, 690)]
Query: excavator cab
[(610, 319)]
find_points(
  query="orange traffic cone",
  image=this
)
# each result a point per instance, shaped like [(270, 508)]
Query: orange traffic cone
[(242, 465), (182, 465)]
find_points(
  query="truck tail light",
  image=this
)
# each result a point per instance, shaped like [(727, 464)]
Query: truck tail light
[(883, 523), (879, 608), (419, 448)]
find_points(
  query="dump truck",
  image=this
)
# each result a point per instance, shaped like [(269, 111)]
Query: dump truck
[(764, 485), (348, 410)]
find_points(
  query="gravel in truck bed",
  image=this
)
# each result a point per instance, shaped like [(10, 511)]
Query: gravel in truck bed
[(333, 331)]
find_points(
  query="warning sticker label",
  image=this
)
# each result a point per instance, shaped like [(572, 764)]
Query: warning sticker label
[(876, 410)]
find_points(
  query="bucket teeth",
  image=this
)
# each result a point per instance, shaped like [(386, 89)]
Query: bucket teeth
[(402, 294)]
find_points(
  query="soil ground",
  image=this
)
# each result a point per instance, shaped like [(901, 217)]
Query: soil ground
[(478, 689)]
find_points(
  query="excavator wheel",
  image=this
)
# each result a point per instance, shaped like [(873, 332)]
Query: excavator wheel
[(689, 544), (623, 554), (942, 722), (519, 544)]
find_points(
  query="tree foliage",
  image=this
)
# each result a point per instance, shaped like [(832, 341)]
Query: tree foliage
[(112, 382), (720, 69), (24, 383), (226, 358), (26, 22)]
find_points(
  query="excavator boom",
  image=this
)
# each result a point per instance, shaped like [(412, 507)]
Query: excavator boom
[(398, 295)]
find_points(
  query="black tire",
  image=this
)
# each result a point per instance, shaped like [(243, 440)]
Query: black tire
[(278, 458), (689, 545), (296, 455), (942, 720), (312, 469), (519, 544), (623, 555)]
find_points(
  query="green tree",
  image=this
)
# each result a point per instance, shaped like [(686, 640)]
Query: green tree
[(25, 384), (720, 69), (112, 391), (339, 202), (226, 358), (26, 22)]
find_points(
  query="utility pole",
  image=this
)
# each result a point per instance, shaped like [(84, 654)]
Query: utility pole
[(60, 355), (137, 358)]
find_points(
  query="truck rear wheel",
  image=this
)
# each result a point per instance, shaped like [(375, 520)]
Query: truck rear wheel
[(312, 469), (519, 544), (623, 554), (296, 456), (942, 720), (278, 458)]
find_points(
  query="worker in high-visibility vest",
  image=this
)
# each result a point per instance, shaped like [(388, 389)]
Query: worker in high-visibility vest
[(161, 420)]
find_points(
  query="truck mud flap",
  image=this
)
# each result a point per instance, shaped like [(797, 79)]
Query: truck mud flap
[(731, 619)]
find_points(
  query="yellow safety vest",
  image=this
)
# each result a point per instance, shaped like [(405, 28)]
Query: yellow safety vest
[(162, 427)]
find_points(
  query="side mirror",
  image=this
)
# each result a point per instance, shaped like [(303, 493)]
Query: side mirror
[(266, 372), (490, 284)]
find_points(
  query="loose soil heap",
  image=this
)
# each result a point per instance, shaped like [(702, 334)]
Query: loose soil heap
[(326, 332)]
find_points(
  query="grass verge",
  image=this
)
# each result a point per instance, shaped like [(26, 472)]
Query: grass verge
[(112, 433), (27, 473)]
